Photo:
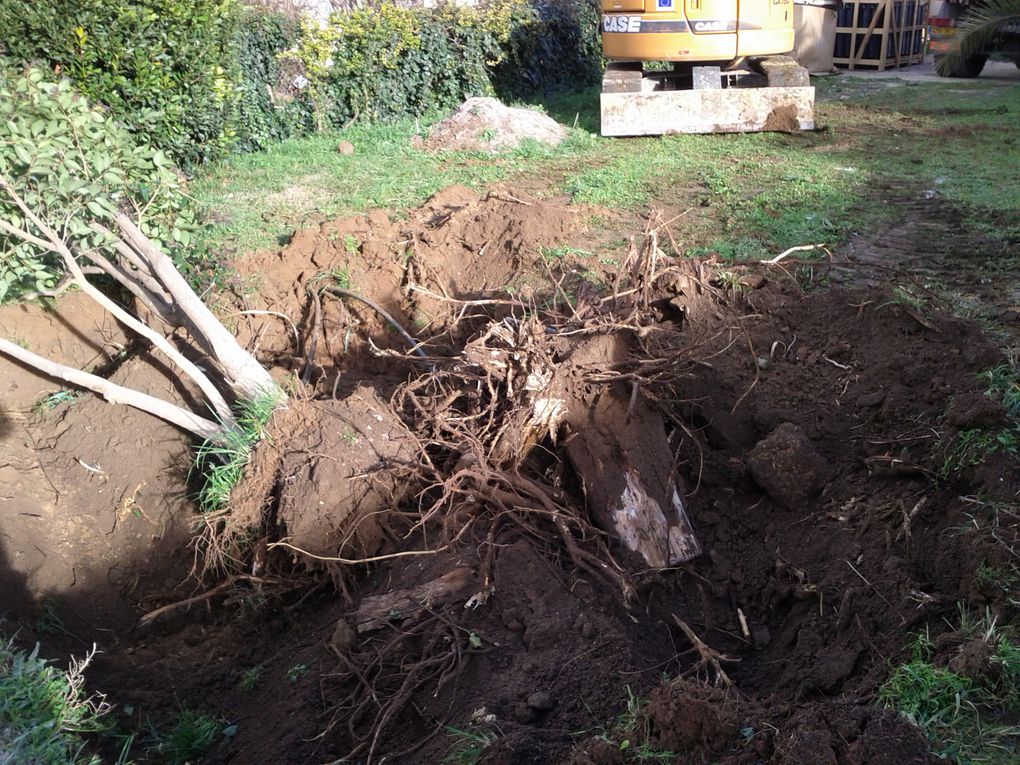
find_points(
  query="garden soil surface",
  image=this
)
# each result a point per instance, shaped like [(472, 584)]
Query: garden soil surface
[(808, 428)]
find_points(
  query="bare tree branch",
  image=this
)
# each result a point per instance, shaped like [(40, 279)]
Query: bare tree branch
[(246, 376), (24, 235), (118, 394), (57, 245), (155, 302)]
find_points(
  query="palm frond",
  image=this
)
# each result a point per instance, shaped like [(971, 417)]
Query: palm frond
[(981, 29)]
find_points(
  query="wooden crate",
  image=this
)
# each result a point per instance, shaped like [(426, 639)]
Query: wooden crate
[(880, 34)]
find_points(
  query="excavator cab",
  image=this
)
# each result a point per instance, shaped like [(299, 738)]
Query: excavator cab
[(701, 66)]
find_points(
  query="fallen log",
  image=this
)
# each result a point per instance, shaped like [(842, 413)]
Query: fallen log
[(377, 611)]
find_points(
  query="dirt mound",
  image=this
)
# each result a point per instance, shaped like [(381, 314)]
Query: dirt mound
[(704, 724), (458, 245), (803, 447), (486, 124)]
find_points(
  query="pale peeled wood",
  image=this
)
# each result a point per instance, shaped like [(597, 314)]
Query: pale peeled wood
[(379, 610), (617, 448), (629, 482), (118, 394), (243, 373)]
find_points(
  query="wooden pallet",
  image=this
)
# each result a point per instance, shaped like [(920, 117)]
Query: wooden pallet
[(880, 34)]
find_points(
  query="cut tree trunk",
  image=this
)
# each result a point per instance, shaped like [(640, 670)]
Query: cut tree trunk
[(626, 467), (615, 441)]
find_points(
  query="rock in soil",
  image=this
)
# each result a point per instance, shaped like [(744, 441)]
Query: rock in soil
[(541, 701), (486, 124), (787, 466)]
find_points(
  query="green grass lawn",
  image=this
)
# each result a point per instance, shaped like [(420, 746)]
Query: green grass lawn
[(762, 192)]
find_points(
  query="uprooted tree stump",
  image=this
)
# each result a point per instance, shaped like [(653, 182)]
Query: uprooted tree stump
[(458, 433), (516, 417)]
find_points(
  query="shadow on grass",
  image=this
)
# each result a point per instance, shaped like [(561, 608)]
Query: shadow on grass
[(576, 108)]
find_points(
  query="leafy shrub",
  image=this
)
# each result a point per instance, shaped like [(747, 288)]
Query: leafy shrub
[(165, 68), (72, 163), (267, 109)]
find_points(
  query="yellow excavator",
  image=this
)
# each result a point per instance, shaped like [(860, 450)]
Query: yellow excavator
[(702, 66)]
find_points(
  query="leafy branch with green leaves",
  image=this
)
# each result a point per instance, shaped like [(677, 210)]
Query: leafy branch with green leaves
[(77, 199)]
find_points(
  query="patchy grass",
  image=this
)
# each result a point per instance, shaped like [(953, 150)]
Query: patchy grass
[(754, 194), (965, 716), (973, 446), (44, 710), (954, 140), (223, 464), (256, 200), (191, 736)]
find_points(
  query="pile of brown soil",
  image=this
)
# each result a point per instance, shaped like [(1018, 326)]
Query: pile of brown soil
[(806, 432)]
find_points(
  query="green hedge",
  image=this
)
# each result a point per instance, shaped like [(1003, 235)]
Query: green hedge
[(199, 78), (558, 48), (387, 62), (166, 68), (266, 111)]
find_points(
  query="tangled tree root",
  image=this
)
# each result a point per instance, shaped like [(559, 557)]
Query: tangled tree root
[(376, 683), (544, 418)]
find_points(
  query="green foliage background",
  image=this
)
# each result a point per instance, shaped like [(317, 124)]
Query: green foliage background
[(166, 68), (201, 78), (100, 100)]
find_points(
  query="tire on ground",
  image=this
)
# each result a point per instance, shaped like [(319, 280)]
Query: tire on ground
[(968, 67)]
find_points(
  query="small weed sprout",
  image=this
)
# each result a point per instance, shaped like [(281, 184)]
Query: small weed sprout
[(342, 277), (191, 737), (53, 400), (630, 732), (729, 281), (1004, 385), (1002, 579), (50, 621), (468, 745), (352, 244), (251, 677), (296, 672)]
